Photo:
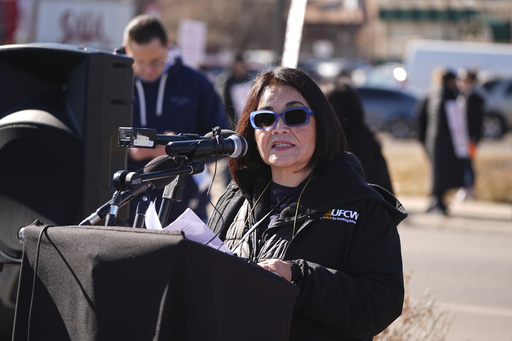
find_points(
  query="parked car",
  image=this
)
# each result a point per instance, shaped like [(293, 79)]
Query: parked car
[(389, 109), (326, 69), (498, 107)]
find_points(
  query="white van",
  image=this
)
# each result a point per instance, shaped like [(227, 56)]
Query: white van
[(492, 60), (422, 57)]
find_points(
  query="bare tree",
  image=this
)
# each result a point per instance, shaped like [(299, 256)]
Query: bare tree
[(232, 24)]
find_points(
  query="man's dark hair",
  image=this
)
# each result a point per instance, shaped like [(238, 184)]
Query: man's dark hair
[(144, 28), (347, 104), (330, 138)]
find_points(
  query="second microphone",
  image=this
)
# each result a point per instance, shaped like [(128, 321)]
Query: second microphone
[(233, 146)]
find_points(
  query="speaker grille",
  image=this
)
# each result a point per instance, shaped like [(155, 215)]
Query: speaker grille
[(40, 178)]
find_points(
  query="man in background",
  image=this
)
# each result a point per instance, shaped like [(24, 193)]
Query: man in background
[(472, 102), (442, 130), (169, 97), (234, 88)]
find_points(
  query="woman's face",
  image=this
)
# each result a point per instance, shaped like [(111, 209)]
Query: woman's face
[(285, 149)]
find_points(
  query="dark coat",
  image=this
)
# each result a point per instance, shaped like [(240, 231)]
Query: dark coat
[(475, 114), (342, 243), (434, 133), (361, 140), (363, 143)]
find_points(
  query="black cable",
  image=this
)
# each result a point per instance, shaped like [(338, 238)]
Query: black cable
[(33, 289), (210, 188)]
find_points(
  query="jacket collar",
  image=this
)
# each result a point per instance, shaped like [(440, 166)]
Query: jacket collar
[(340, 183)]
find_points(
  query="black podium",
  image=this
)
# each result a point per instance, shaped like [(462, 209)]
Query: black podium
[(118, 283)]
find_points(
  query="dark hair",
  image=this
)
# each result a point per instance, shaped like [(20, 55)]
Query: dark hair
[(346, 103), (449, 75), (468, 74), (330, 138), (144, 28)]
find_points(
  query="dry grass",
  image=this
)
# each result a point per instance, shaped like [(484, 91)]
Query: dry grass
[(421, 319), (494, 177), (410, 169)]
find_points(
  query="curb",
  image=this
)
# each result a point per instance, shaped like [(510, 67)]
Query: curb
[(465, 215)]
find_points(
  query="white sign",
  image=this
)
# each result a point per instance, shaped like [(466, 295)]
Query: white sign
[(293, 33), (457, 123), (192, 41), (96, 24)]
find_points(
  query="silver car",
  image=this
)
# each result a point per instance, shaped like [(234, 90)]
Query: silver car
[(498, 107), (389, 109)]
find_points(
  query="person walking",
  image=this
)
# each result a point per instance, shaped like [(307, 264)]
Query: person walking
[(473, 104), (442, 129)]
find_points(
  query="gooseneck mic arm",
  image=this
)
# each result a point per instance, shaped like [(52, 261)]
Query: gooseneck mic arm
[(173, 192), (101, 212), (157, 173)]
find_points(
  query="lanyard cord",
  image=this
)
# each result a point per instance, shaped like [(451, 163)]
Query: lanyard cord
[(238, 241), (259, 222), (298, 202), (249, 215)]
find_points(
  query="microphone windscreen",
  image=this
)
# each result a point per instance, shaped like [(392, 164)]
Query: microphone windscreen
[(161, 163)]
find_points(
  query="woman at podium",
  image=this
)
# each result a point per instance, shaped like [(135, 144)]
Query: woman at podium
[(299, 206)]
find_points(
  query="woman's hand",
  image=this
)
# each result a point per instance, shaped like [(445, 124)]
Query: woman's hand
[(278, 267)]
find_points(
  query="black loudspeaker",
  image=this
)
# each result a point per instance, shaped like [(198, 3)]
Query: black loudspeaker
[(60, 110)]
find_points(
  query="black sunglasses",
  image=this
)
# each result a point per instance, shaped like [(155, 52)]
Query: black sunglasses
[(293, 117)]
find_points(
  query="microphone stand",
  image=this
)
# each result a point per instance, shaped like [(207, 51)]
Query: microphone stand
[(173, 192), (114, 208), (142, 206), (131, 185), (119, 180)]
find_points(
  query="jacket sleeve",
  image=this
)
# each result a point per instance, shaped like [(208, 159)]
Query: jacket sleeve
[(366, 293)]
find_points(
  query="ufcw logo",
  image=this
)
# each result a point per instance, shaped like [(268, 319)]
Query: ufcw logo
[(343, 215)]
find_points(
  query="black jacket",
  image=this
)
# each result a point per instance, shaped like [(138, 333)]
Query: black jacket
[(345, 254), (434, 133)]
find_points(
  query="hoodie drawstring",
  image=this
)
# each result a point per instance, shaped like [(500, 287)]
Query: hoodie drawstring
[(142, 98), (142, 102), (161, 90)]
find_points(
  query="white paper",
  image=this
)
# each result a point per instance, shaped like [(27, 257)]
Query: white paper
[(457, 123), (151, 219), (190, 224)]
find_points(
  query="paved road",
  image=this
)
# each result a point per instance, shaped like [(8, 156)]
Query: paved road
[(466, 261)]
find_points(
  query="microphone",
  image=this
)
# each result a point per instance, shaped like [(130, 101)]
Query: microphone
[(160, 163), (148, 138), (234, 146)]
